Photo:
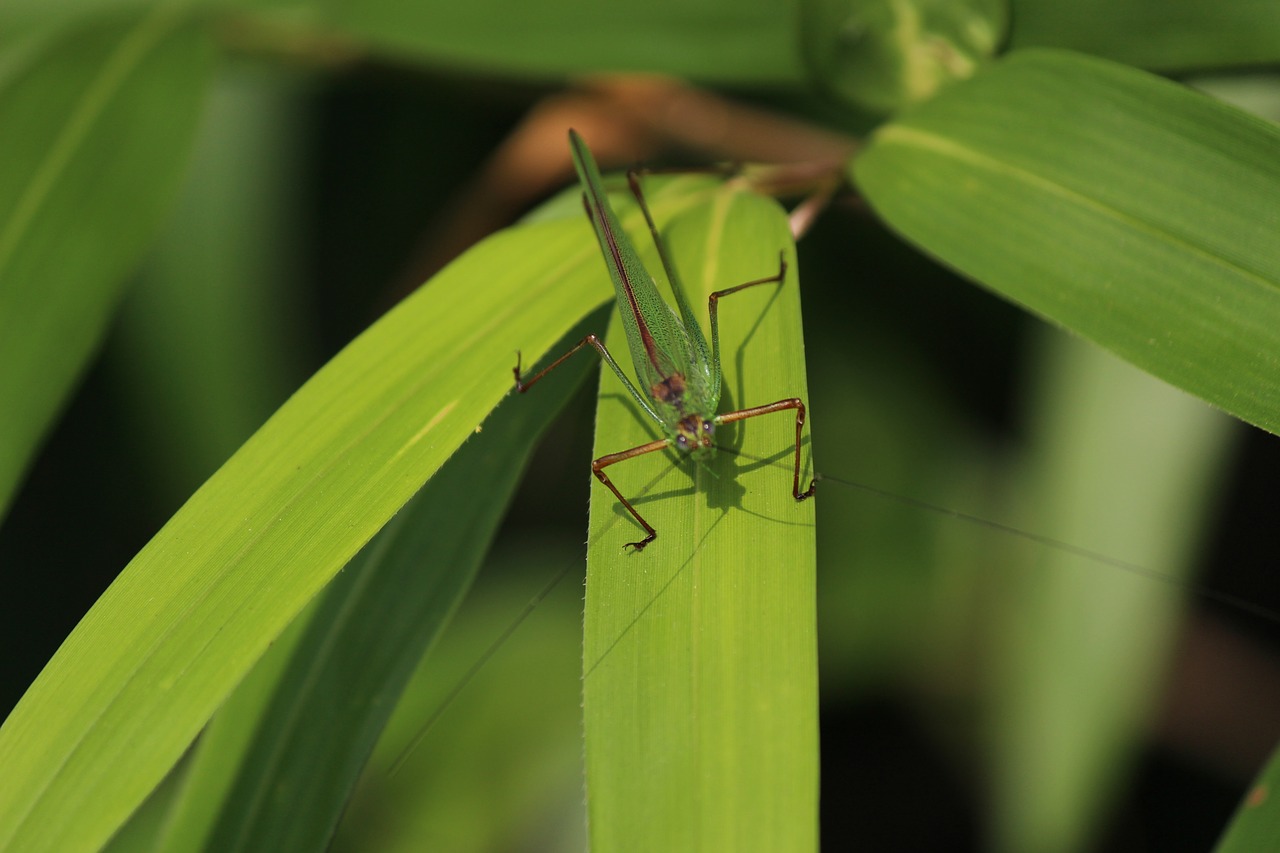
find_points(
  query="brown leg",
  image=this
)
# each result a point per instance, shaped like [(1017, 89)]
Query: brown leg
[(597, 468), (713, 308), (776, 278), (792, 403), (524, 385)]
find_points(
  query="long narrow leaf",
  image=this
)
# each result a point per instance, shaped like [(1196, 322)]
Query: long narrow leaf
[(700, 693), (373, 625), (162, 648)]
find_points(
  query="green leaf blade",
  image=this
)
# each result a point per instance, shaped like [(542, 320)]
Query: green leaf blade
[(1157, 34), (371, 628), (1127, 209), (164, 645), (753, 43), (700, 693)]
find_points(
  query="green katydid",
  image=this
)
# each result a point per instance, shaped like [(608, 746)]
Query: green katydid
[(679, 374)]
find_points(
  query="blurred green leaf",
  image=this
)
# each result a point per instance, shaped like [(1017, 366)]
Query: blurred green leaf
[(1128, 209), (889, 586), (207, 342), (96, 125), (700, 684), (723, 41), (1078, 650), (1166, 35)]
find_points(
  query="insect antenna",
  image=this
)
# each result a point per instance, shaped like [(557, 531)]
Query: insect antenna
[(1199, 590)]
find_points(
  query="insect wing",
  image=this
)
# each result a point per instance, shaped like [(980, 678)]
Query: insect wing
[(659, 342), (702, 378)]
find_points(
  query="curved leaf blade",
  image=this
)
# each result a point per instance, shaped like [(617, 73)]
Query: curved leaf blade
[(145, 669), (314, 731), (1128, 209)]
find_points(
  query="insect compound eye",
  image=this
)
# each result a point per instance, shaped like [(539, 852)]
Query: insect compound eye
[(683, 441)]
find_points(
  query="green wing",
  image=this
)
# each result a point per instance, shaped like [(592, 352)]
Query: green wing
[(668, 349)]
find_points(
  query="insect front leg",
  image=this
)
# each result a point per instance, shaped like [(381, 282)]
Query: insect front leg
[(523, 385), (597, 468), (781, 405)]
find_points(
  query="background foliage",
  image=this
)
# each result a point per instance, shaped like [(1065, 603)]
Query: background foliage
[(203, 204)]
